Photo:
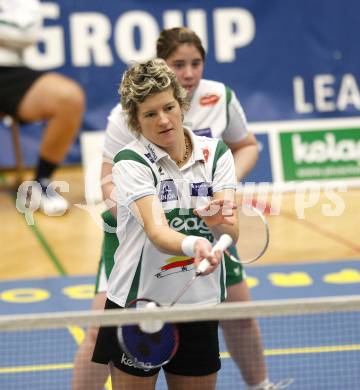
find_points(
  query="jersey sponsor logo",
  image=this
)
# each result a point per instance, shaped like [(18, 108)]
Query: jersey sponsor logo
[(203, 132), (210, 99), (152, 156), (190, 224), (206, 153), (201, 189), (174, 265), (168, 191), (135, 363)]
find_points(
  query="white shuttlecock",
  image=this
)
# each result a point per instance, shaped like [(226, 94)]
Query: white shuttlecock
[(151, 326)]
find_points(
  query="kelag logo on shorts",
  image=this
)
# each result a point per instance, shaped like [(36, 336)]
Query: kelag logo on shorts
[(325, 154), (168, 191)]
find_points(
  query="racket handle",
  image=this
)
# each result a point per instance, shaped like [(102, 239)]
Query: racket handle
[(224, 242), (203, 266)]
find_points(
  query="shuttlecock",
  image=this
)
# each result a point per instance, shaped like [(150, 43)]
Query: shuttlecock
[(151, 326)]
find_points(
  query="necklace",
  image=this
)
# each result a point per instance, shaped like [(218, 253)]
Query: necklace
[(187, 150)]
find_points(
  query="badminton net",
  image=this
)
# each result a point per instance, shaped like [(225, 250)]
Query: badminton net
[(314, 343)]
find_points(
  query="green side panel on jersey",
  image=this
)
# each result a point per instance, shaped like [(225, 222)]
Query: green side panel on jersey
[(221, 149), (110, 241), (110, 245), (228, 92), (222, 283), (128, 154), (135, 283), (109, 219)]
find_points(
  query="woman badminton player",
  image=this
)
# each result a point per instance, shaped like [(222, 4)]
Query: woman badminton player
[(183, 51), (161, 179)]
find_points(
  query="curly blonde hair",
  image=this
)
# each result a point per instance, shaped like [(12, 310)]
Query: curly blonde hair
[(145, 79)]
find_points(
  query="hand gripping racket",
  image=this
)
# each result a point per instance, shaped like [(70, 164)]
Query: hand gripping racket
[(224, 242), (253, 235), (152, 344)]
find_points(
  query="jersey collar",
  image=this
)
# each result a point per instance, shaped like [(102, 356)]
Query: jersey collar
[(197, 153), (154, 153)]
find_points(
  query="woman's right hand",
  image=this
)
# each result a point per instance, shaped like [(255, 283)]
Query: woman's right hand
[(203, 250)]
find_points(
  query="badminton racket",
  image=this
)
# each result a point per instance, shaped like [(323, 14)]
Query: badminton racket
[(152, 343), (224, 242), (253, 235)]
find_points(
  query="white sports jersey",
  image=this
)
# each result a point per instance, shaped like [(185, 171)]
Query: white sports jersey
[(214, 112), (140, 269), (19, 27)]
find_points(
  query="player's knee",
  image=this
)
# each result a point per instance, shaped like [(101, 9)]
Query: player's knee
[(243, 323), (69, 99), (78, 98), (73, 99), (92, 334), (246, 323)]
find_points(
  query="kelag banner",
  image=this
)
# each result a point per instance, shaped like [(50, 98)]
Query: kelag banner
[(285, 59)]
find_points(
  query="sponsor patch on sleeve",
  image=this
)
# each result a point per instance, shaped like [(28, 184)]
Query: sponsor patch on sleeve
[(201, 189), (203, 132)]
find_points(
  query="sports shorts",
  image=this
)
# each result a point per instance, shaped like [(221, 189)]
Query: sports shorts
[(14, 83), (197, 354)]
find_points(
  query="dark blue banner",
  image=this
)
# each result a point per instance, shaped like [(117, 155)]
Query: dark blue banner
[(285, 59)]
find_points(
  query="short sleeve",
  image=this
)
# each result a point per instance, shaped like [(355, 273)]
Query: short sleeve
[(133, 181), (236, 129), (224, 174), (20, 23), (117, 133)]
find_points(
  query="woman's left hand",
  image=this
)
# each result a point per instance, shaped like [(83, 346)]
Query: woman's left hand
[(217, 212)]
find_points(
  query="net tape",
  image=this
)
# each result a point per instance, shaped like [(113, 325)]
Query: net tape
[(225, 311)]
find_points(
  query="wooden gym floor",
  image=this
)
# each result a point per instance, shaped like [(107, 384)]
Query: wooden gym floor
[(70, 244)]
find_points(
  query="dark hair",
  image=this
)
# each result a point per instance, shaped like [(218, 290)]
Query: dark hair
[(170, 39)]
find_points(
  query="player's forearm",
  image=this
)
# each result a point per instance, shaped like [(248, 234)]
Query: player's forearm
[(220, 229), (108, 187), (245, 159), (166, 240)]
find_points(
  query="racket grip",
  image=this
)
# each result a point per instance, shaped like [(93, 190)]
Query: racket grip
[(224, 242), (203, 266)]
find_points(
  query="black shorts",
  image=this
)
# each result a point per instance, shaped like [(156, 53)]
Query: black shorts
[(14, 83), (197, 355)]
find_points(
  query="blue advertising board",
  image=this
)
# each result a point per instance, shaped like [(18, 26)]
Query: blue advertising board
[(285, 59)]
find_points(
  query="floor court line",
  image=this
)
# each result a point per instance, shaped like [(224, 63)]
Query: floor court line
[(320, 229), (44, 244), (223, 355), (319, 353)]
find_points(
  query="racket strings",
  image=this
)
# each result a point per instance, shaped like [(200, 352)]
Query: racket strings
[(253, 235)]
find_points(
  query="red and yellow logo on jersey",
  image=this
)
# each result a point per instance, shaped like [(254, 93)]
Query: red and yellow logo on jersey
[(176, 264), (210, 99)]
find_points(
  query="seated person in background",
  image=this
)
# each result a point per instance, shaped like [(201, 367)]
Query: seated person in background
[(155, 178), (30, 96)]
